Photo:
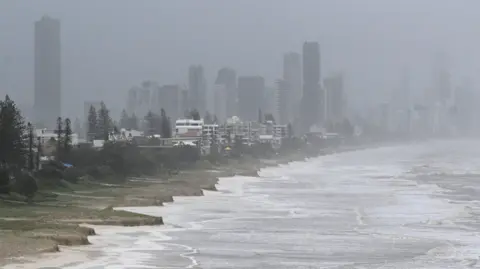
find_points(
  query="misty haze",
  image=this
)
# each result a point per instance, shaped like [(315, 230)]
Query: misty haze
[(239, 134)]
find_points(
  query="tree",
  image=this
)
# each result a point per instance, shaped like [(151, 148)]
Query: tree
[(92, 124), (269, 117), (59, 132), (104, 122), (166, 125), (151, 123), (12, 133), (39, 153), (124, 120), (30, 147), (67, 140), (194, 114)]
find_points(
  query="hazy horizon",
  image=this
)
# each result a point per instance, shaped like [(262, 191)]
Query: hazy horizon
[(109, 46)]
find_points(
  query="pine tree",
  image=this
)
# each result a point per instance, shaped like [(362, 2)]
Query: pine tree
[(67, 140), (104, 122), (39, 153), (166, 128), (269, 117), (92, 124), (12, 134), (59, 132), (30, 147), (194, 114), (150, 119)]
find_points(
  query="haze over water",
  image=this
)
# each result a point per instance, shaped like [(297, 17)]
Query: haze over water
[(394, 207)]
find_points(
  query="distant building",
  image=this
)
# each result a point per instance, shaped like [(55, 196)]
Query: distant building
[(313, 101), (139, 99), (225, 94), (270, 104), (292, 75), (46, 135), (280, 131), (168, 98), (335, 99), (251, 92), (209, 132), (187, 128), (283, 102), (220, 100), (47, 74), (197, 89), (184, 101)]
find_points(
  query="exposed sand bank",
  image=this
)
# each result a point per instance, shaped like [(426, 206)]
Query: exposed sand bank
[(29, 233)]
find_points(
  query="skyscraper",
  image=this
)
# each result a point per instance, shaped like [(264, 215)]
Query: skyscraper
[(282, 105), (335, 99), (251, 93), (197, 89), (313, 101), (47, 73), (168, 98), (292, 76), (225, 95)]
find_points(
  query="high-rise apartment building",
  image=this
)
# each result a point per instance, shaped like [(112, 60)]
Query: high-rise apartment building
[(292, 75), (142, 99), (197, 89), (335, 99), (47, 72), (225, 94), (168, 98), (313, 101), (283, 102), (251, 93)]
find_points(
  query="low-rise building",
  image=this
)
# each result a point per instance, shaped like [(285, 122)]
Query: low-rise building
[(45, 135), (189, 128), (210, 131), (280, 131)]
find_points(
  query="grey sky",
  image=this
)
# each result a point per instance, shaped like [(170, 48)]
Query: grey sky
[(111, 45)]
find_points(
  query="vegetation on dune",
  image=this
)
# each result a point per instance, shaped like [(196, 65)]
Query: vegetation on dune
[(20, 170)]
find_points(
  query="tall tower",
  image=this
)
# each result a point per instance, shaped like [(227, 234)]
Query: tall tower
[(198, 89), (292, 76), (225, 95), (251, 94), (335, 98), (47, 74), (313, 101)]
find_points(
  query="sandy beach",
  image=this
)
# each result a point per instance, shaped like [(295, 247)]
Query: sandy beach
[(55, 233)]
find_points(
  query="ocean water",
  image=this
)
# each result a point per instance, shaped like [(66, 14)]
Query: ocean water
[(409, 206)]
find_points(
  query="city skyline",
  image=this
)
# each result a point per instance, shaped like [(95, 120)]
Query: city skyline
[(98, 61)]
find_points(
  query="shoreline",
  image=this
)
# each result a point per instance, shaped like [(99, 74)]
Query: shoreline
[(198, 180)]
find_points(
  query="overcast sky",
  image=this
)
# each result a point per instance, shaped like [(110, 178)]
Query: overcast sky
[(111, 45)]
